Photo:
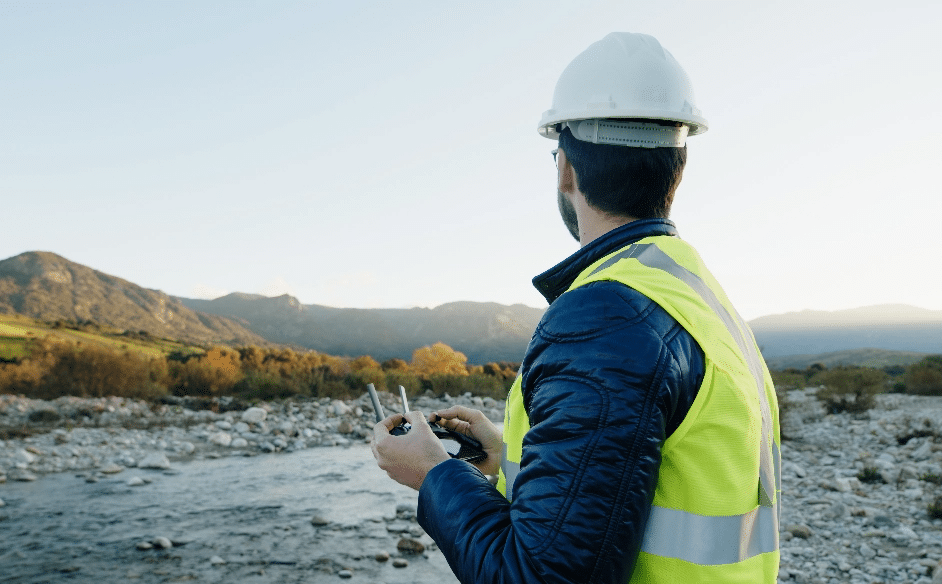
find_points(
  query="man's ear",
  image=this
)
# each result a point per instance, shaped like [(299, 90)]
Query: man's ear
[(565, 175)]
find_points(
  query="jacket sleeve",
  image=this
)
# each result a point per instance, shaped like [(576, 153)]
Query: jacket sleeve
[(607, 375)]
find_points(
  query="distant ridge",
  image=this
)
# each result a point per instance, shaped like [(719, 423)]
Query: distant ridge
[(876, 358), (484, 331), (49, 287), (894, 327)]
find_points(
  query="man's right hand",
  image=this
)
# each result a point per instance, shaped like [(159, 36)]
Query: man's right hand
[(475, 424)]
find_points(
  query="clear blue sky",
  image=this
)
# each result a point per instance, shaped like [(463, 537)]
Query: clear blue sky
[(385, 154)]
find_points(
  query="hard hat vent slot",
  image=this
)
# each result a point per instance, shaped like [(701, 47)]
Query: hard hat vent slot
[(637, 134)]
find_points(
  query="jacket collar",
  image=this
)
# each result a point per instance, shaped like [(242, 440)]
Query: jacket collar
[(556, 280)]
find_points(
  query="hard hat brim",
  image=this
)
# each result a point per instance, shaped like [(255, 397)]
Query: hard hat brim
[(551, 118)]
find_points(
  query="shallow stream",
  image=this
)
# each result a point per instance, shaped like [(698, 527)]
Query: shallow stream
[(254, 513)]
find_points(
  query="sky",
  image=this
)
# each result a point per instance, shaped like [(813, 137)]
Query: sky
[(385, 154)]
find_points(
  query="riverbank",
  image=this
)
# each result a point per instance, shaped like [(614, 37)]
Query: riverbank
[(205, 480)]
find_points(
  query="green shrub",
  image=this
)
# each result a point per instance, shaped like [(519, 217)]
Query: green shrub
[(925, 377), (931, 478), (935, 508), (870, 474), (261, 385), (850, 389), (477, 384), (410, 381)]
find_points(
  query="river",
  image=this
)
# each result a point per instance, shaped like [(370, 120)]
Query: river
[(253, 513)]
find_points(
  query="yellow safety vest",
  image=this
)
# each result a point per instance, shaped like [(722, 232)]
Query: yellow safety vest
[(715, 513)]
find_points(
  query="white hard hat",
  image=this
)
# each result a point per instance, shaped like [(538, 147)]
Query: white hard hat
[(624, 75)]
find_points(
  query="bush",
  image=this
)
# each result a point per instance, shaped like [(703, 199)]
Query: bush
[(439, 359), (935, 508), (850, 389), (477, 384), (788, 379), (410, 381), (261, 385), (925, 377), (931, 478), (95, 371), (214, 373), (870, 474)]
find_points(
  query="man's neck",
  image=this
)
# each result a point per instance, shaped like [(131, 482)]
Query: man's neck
[(594, 223)]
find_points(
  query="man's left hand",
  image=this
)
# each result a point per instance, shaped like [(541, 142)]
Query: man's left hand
[(409, 457)]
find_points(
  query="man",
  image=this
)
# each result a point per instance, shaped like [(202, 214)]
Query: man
[(640, 439)]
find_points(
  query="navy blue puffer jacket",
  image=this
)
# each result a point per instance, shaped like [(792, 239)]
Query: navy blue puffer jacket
[(607, 377)]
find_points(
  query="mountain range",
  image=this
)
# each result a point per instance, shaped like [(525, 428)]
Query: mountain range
[(48, 287)]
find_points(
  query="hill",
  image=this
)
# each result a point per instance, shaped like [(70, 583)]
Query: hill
[(891, 327), (876, 358), (49, 287), (484, 331)]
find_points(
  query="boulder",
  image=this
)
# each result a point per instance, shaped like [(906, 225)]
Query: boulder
[(254, 415)]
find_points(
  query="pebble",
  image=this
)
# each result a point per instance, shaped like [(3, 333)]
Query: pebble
[(135, 482), (162, 543), (400, 563), (345, 574), (216, 561), (319, 521), (410, 546), (382, 556)]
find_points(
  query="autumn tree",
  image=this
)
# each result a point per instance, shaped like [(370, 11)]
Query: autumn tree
[(363, 362), (439, 358)]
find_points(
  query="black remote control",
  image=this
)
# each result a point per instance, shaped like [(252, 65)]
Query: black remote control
[(456, 444)]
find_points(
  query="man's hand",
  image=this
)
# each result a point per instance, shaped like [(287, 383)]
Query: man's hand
[(475, 424), (407, 458)]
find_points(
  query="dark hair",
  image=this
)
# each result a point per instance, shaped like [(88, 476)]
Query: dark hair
[(625, 181)]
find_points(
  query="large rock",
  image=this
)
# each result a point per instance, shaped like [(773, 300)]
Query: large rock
[(220, 439), (254, 415), (155, 460)]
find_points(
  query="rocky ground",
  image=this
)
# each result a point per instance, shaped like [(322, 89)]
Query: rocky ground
[(856, 487)]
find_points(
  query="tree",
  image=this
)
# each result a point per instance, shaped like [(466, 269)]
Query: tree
[(363, 362), (439, 358), (925, 377), (850, 389)]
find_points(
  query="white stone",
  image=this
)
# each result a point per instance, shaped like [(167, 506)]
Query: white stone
[(220, 439), (135, 482), (2, 503), (254, 415), (239, 443), (23, 456), (186, 447), (223, 425), (216, 561), (154, 460), (241, 427), (162, 543)]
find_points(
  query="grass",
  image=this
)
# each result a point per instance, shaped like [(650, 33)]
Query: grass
[(16, 330)]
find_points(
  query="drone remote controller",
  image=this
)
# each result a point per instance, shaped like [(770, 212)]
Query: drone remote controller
[(456, 444)]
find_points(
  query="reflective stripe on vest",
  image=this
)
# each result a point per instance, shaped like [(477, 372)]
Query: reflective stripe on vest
[(648, 254)]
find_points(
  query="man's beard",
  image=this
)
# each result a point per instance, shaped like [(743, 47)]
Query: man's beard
[(568, 213)]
